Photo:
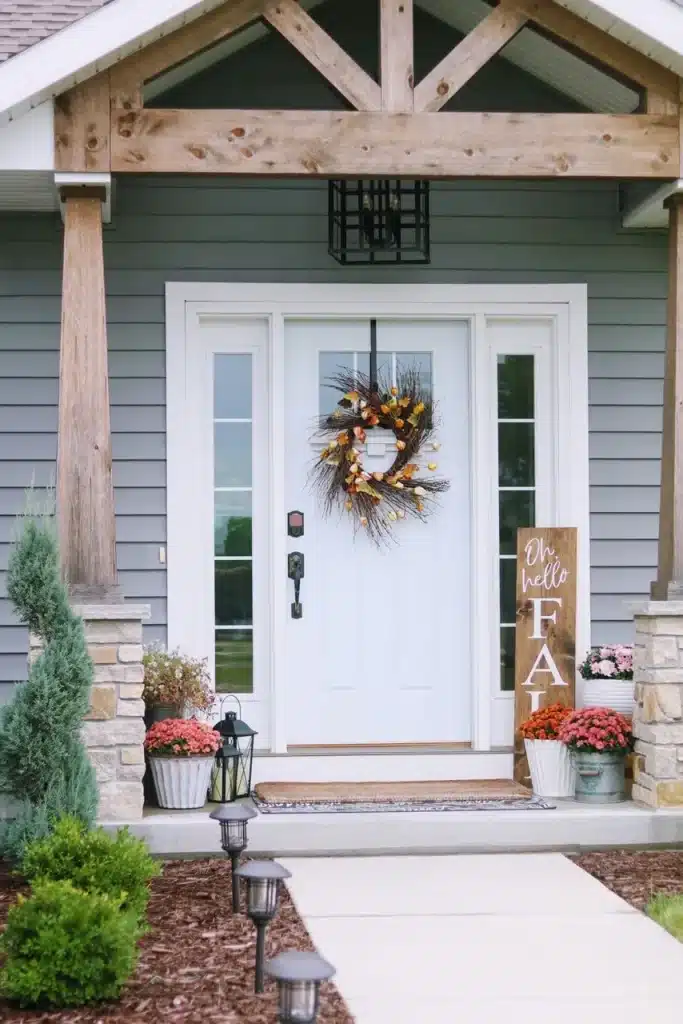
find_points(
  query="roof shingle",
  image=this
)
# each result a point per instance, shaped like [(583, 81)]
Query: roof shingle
[(25, 22)]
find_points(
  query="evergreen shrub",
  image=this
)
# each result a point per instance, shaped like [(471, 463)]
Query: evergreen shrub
[(44, 765), (65, 947), (118, 866)]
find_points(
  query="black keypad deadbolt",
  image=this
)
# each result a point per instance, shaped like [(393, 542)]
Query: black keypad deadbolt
[(295, 524)]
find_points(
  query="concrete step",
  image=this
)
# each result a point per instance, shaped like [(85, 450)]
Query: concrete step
[(568, 827)]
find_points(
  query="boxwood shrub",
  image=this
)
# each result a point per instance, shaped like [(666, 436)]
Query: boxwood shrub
[(117, 866), (65, 947)]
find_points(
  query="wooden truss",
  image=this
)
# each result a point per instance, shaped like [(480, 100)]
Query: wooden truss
[(395, 129)]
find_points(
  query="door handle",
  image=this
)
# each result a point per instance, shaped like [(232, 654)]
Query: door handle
[(295, 572)]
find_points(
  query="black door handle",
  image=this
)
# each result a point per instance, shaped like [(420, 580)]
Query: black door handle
[(295, 572)]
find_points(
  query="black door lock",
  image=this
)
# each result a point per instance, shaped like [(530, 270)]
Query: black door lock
[(295, 571)]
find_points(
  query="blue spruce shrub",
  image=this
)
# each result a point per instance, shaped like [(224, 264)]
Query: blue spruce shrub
[(44, 765)]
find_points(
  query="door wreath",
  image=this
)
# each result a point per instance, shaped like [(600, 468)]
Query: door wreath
[(378, 500)]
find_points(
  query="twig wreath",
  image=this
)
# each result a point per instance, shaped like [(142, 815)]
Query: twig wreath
[(378, 500)]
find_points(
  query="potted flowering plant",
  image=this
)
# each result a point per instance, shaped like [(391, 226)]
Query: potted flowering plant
[(599, 740), (175, 685), (608, 672), (181, 754), (551, 766)]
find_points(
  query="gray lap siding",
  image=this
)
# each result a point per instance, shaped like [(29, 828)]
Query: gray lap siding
[(168, 229)]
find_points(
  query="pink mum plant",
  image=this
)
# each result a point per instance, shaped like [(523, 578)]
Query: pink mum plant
[(612, 661), (597, 729), (182, 737)]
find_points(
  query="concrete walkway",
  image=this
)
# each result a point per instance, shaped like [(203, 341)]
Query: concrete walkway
[(488, 939)]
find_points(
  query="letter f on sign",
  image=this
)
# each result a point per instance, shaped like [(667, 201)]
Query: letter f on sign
[(539, 617)]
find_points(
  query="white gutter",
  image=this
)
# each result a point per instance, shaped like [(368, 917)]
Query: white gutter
[(105, 36)]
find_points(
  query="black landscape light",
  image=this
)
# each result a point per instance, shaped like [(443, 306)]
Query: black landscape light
[(233, 820), (263, 878), (299, 976)]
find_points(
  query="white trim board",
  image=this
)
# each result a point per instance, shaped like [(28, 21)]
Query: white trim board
[(565, 374), (110, 33)]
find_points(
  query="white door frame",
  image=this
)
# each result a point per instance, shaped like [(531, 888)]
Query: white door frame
[(189, 305)]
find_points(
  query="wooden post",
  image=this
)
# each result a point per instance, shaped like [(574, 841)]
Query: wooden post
[(669, 582), (396, 55), (85, 493)]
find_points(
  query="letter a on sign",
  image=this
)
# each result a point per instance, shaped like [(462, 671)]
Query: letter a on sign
[(545, 632)]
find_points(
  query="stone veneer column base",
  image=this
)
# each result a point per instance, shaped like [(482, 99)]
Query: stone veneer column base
[(658, 717), (114, 728)]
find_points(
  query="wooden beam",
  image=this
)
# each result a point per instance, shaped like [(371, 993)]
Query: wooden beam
[(669, 582), (82, 127), (85, 493), (601, 46), (340, 70), (469, 56), (366, 144), (128, 77), (396, 54)]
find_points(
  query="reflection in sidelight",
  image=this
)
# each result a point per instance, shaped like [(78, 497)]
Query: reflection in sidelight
[(232, 523), (234, 661), (233, 593), (233, 495), (516, 489), (232, 454)]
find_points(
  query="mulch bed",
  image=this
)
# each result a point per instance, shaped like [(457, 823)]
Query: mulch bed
[(197, 963), (636, 876)]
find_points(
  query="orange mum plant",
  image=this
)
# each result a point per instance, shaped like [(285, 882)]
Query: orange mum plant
[(545, 724)]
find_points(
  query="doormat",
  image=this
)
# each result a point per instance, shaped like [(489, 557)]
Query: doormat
[(375, 797)]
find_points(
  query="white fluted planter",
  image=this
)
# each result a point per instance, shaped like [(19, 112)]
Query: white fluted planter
[(617, 694), (181, 782), (552, 769)]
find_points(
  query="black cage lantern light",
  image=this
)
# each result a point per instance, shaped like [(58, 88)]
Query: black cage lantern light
[(379, 220), (231, 773)]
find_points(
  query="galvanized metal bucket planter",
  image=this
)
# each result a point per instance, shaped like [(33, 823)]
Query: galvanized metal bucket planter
[(600, 776), (181, 782)]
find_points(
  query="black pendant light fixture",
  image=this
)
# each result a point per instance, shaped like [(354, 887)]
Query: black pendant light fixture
[(378, 220)]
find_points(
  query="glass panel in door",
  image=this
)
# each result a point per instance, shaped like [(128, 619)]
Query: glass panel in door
[(233, 522)]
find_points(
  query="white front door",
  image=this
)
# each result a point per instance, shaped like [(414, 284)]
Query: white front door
[(408, 645), (381, 654)]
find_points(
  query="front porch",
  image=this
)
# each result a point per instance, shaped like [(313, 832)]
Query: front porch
[(205, 328)]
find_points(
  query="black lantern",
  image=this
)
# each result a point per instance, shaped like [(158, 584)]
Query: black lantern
[(231, 774), (378, 220), (299, 976), (264, 878), (233, 822)]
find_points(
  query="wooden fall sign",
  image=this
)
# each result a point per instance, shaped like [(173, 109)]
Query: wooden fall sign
[(545, 640)]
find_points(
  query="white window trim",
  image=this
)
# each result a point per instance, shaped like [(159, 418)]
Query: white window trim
[(566, 303)]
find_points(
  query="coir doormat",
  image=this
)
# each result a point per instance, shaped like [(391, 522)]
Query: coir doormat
[(365, 797)]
